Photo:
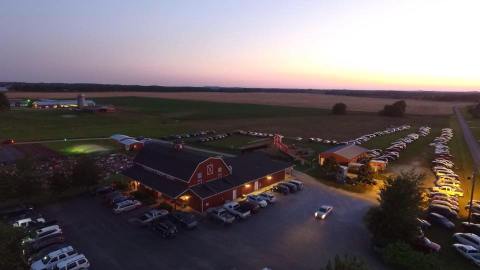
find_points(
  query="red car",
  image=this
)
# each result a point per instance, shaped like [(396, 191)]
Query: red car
[(9, 141)]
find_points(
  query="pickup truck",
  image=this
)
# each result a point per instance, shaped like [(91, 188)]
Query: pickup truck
[(151, 215), (237, 210), (219, 214)]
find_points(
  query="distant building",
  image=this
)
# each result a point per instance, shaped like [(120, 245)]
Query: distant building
[(344, 154), (58, 103)]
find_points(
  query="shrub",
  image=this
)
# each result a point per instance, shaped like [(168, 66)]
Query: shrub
[(166, 206), (339, 108), (85, 173), (475, 111), (121, 185), (58, 183), (144, 196), (10, 248), (402, 256)]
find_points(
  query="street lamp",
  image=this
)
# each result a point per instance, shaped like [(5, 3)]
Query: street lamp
[(474, 174)]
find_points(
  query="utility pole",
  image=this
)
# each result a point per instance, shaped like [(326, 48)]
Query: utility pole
[(474, 174)]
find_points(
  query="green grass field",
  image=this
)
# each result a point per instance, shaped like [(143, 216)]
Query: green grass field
[(158, 117), (83, 147)]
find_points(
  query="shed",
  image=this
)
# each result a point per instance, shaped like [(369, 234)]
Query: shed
[(344, 154)]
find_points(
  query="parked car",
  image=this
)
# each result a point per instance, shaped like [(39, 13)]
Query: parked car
[(270, 198), (323, 211), (50, 260), (468, 252), (45, 232), (77, 262), (257, 200), (8, 141), (471, 227), (220, 214), (184, 219), (27, 222), (441, 220), (151, 215), (424, 224), (235, 209), (443, 210), (426, 245), (291, 187), (448, 190), (126, 206), (34, 247), (166, 228), (470, 239), (297, 183), (252, 207), (280, 188)]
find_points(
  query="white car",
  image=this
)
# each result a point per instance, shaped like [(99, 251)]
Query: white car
[(51, 259), (451, 191), (42, 233), (257, 200), (323, 211), (269, 197), (469, 239), (151, 215), (126, 206), (26, 222), (78, 262), (468, 252)]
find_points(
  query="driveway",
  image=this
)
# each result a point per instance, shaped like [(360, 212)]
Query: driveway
[(283, 236)]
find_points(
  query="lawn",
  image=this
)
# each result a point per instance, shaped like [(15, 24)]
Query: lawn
[(83, 147), (155, 117)]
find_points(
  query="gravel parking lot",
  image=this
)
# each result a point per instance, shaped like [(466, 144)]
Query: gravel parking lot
[(282, 236)]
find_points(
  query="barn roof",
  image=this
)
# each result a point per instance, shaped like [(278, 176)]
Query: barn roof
[(171, 188), (348, 151), (166, 159)]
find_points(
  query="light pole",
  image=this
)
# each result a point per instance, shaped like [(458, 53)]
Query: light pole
[(474, 174)]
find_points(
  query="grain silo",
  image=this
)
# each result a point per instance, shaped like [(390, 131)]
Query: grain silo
[(81, 102)]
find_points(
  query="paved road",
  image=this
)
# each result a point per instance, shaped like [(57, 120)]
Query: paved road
[(469, 138), (283, 236)]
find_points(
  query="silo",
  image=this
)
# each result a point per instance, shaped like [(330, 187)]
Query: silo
[(81, 101)]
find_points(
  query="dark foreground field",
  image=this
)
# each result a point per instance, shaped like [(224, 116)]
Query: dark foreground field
[(158, 117)]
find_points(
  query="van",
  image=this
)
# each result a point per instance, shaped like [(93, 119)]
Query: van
[(126, 206), (74, 263), (297, 183), (49, 261)]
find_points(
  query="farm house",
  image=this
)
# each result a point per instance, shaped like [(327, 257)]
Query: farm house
[(344, 154), (193, 179)]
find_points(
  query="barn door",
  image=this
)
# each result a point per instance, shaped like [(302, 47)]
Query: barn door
[(234, 194), (255, 185)]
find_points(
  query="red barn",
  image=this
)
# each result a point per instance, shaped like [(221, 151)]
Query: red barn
[(343, 154), (200, 181)]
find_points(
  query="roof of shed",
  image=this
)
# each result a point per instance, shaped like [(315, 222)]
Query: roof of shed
[(348, 151)]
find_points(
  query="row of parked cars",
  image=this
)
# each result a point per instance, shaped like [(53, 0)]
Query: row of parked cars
[(243, 209), (367, 137), (200, 133), (159, 219), (44, 246), (392, 152)]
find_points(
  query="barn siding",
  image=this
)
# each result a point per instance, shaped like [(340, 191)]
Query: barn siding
[(209, 170)]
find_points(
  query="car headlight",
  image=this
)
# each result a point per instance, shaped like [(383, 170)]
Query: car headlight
[(324, 216), (316, 214)]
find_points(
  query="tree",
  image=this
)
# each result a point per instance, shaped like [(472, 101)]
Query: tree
[(365, 174), (85, 173), (346, 263), (4, 103), (7, 183), (395, 219), (339, 109), (475, 111), (397, 109), (330, 167), (402, 256), (58, 182), (10, 248)]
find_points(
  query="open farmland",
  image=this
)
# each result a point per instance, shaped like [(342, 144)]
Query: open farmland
[(321, 101), (159, 117)]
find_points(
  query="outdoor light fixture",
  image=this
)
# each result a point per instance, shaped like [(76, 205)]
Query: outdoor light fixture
[(269, 177), (247, 185)]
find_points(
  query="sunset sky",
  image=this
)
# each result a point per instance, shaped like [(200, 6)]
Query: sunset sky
[(354, 44)]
